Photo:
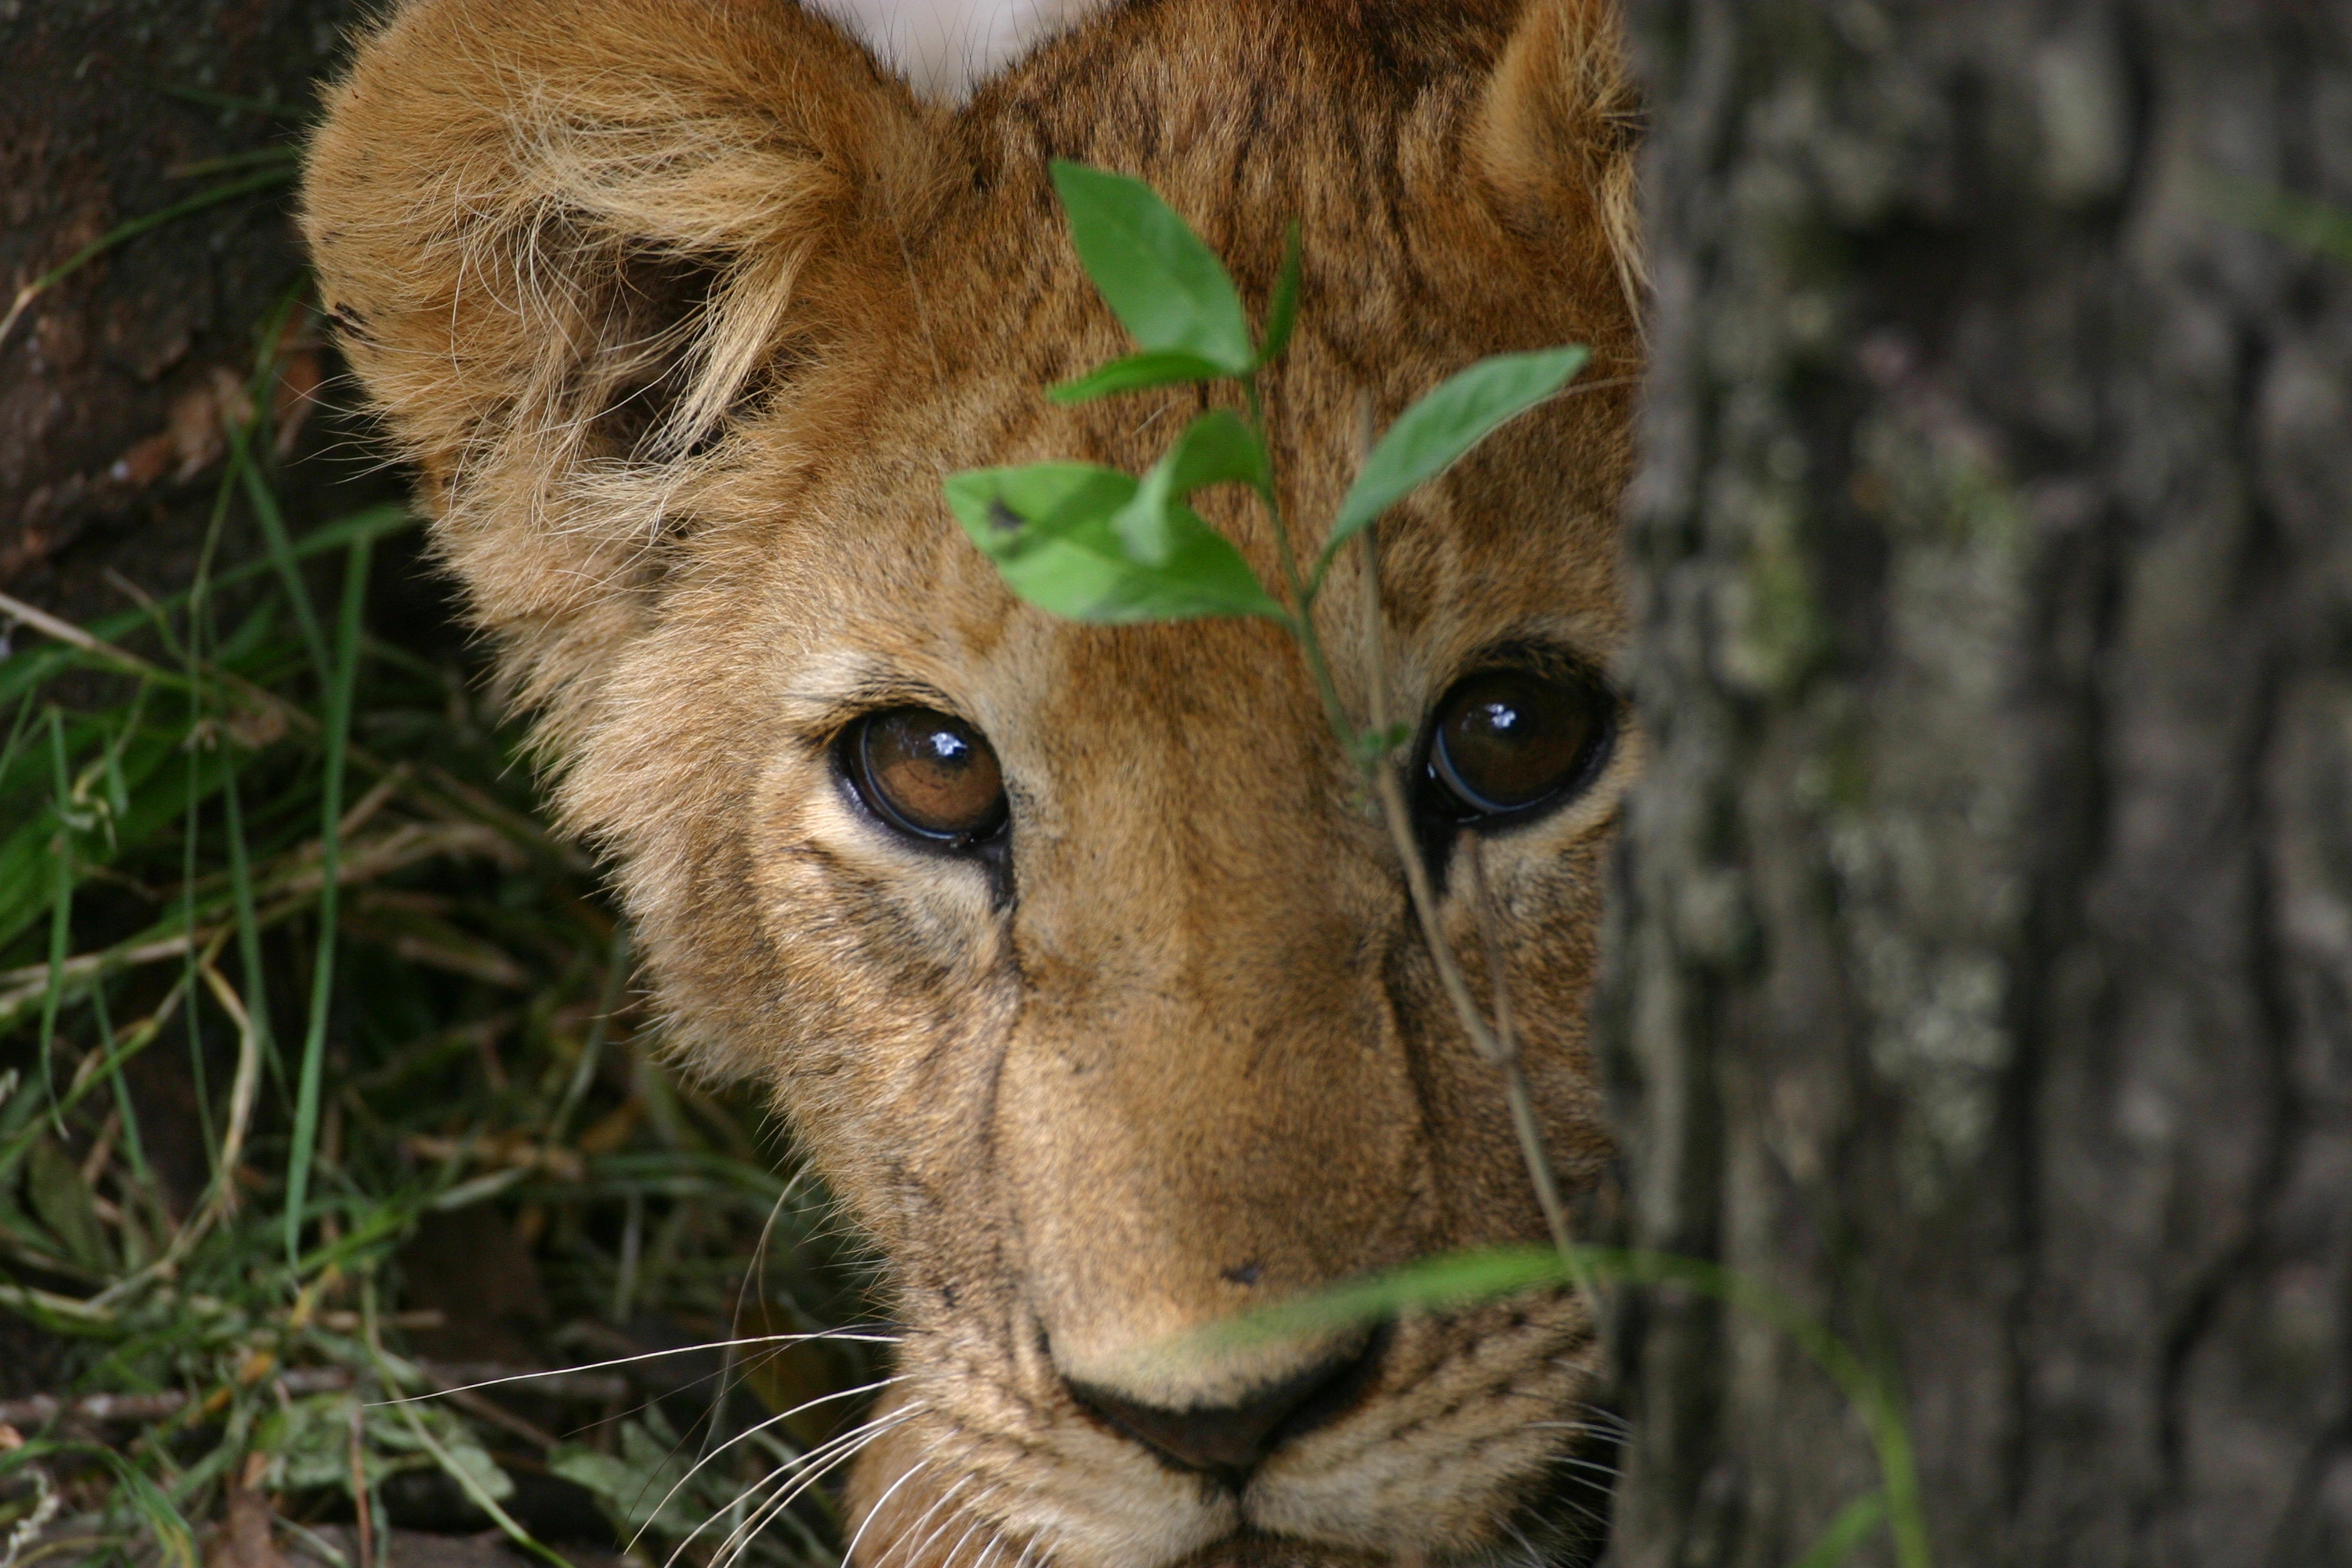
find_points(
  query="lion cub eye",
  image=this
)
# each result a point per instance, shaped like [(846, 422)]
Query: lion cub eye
[(927, 775), (1507, 741)]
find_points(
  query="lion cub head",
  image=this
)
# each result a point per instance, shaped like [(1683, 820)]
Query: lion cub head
[(1076, 956)]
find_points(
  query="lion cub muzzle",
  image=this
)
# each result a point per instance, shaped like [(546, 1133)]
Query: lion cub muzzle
[(1226, 1441)]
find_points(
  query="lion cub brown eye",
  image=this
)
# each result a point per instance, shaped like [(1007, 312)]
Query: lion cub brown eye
[(1509, 740), (927, 774)]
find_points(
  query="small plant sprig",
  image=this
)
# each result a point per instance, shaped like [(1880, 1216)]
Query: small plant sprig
[(1090, 543)]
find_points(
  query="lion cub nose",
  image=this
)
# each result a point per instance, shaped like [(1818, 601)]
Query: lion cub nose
[(1228, 1441)]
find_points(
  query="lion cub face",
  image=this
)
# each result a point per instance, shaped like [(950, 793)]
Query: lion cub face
[(1078, 960)]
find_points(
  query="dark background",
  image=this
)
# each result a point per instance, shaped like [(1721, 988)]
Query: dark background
[(110, 381)]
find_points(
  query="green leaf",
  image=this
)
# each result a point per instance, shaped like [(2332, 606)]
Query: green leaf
[(1432, 435), (1136, 372), (1048, 529), (1282, 313), (1215, 449), (1006, 509), (1166, 288)]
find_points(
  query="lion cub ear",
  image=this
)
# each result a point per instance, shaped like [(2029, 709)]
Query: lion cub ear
[(1556, 131), (562, 237)]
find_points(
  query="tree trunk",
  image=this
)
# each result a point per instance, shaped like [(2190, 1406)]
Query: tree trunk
[(1983, 945)]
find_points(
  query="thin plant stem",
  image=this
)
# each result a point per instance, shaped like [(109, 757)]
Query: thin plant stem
[(61, 911), (242, 1090), (355, 1455), (131, 230), (1301, 621), (1499, 1045), (314, 1041), (1471, 853), (134, 1146), (248, 928), (18, 729), (281, 549), (583, 1073)]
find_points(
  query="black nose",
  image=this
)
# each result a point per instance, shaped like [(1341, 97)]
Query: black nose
[(1227, 1441)]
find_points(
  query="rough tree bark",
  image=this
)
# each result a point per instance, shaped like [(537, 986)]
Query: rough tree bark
[(1984, 940)]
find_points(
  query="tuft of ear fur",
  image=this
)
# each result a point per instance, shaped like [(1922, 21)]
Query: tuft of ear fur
[(1558, 128), (561, 238)]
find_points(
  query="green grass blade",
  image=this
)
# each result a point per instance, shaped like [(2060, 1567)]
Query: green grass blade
[(472, 1486), (166, 1528), (1438, 1283), (23, 673), (248, 927), (133, 1145), (61, 891), (281, 549), (2284, 214), (592, 1051), (242, 105), (17, 731), (202, 630), (132, 230), (1846, 1532), (190, 841), (314, 1041)]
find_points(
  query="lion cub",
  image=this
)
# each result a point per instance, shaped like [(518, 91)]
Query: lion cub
[(1074, 955)]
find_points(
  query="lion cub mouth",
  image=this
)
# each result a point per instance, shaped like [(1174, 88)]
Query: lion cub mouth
[(1462, 1439), (1227, 1442)]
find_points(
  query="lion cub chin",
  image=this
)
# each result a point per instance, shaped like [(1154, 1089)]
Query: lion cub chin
[(1074, 955)]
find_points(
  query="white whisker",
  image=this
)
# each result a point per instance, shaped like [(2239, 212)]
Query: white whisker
[(845, 1334), (751, 1271), (740, 1539), (849, 1553), (1605, 1418), (752, 1431), (793, 1472), (977, 1522), (900, 1547)]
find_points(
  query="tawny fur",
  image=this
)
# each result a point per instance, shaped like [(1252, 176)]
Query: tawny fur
[(683, 309)]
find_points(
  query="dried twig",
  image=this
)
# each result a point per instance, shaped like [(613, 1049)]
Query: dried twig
[(104, 1409), (363, 1510)]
